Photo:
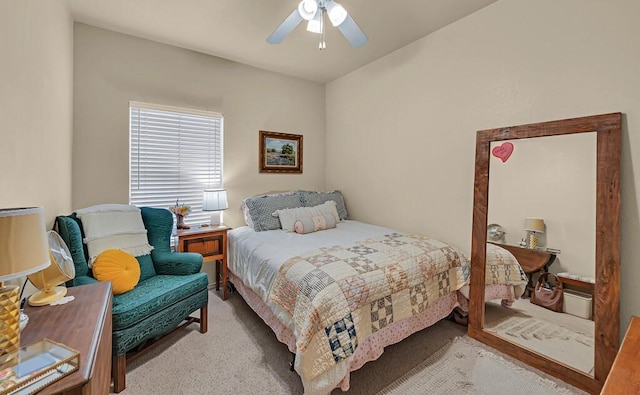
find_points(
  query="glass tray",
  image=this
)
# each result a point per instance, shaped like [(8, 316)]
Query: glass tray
[(35, 366)]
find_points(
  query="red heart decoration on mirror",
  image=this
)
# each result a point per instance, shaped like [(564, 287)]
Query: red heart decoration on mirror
[(503, 152)]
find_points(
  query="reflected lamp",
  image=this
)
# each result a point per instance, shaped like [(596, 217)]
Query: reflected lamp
[(215, 200), (533, 226), (23, 250)]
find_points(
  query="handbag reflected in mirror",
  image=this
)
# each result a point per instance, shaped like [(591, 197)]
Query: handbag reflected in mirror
[(549, 295)]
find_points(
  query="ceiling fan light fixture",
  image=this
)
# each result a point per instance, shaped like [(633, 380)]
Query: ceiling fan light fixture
[(308, 9), (337, 13), (315, 25), (313, 11)]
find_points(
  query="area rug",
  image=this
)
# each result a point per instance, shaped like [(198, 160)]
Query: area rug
[(464, 367), (555, 341)]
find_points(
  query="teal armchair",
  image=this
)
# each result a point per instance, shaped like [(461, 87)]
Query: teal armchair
[(170, 289)]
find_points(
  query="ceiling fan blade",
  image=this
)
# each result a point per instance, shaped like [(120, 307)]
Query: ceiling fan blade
[(352, 32), (285, 28)]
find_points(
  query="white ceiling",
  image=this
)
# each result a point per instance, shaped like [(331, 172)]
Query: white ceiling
[(237, 29)]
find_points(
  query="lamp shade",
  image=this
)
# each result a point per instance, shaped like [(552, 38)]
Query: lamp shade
[(308, 9), (534, 224), (337, 13), (23, 242), (315, 25), (214, 200)]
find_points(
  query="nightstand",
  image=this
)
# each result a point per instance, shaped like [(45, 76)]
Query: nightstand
[(211, 242)]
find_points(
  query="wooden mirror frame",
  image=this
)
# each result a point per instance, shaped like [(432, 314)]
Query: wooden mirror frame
[(607, 247)]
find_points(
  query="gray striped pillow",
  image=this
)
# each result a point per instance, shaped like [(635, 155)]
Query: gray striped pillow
[(261, 207), (312, 198)]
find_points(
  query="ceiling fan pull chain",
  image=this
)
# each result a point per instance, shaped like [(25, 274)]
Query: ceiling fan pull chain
[(323, 44)]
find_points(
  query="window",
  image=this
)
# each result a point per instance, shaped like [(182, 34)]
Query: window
[(175, 155)]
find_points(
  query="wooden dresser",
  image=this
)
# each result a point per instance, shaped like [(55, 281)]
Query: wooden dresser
[(83, 324), (624, 377)]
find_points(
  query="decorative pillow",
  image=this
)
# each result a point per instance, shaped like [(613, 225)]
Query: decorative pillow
[(147, 269), (114, 226), (245, 213), (261, 207), (245, 210), (311, 198), (288, 217), (315, 223), (119, 267)]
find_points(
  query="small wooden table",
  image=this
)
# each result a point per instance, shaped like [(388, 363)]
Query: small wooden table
[(211, 242), (83, 324), (531, 261), (624, 377)]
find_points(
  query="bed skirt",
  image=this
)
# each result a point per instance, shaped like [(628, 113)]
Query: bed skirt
[(373, 345), (506, 293)]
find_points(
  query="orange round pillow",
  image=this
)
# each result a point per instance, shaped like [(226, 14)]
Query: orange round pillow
[(119, 267)]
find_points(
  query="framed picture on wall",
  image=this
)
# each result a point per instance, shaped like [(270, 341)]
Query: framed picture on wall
[(280, 152)]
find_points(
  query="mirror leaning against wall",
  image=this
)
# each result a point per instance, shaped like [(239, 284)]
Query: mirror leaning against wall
[(549, 194)]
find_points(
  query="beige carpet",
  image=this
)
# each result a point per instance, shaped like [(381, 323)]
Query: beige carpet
[(241, 355)]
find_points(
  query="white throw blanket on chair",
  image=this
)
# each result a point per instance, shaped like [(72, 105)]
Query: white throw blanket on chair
[(114, 226)]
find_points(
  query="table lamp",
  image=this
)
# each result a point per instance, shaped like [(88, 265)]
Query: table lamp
[(215, 200), (23, 250), (533, 225)]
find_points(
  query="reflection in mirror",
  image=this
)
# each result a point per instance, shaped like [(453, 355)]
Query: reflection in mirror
[(549, 194), (546, 188)]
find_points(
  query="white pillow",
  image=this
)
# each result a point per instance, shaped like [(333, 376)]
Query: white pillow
[(114, 226), (315, 224), (289, 216)]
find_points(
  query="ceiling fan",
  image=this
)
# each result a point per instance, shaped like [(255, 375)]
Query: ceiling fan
[(314, 11)]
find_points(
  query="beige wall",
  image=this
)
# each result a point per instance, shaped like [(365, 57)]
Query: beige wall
[(112, 69), (405, 124), (553, 178), (36, 43)]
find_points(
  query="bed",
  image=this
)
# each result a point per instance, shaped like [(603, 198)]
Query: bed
[(505, 279), (338, 296)]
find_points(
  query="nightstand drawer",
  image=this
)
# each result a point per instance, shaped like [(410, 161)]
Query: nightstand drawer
[(207, 245)]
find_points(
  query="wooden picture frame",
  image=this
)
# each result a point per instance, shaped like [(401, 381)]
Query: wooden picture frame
[(280, 152)]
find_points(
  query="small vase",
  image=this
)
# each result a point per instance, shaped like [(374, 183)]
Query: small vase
[(180, 222)]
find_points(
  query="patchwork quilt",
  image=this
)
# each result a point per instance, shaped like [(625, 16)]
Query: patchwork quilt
[(503, 268), (339, 295)]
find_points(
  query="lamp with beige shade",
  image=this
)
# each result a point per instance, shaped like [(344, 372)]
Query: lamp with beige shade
[(214, 200), (23, 250), (533, 226)]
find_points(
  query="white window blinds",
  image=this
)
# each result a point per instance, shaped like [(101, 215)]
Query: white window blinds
[(175, 154)]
